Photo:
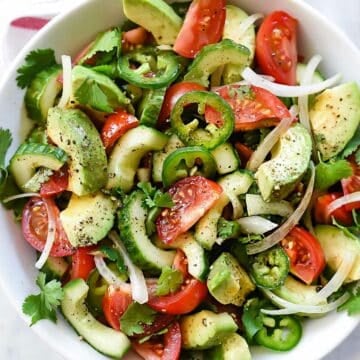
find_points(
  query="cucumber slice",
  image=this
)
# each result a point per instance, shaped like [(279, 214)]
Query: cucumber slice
[(42, 93), (128, 151), (150, 106), (226, 158), (300, 70), (30, 156), (102, 338), (55, 268), (142, 251)]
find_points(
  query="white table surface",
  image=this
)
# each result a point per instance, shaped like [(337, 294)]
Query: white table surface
[(17, 341)]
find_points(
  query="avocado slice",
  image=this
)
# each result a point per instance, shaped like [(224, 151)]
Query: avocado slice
[(72, 131), (156, 16), (206, 329), (88, 219), (334, 118), (228, 282), (278, 177)]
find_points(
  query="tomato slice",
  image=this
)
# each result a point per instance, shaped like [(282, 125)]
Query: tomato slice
[(192, 293), (276, 50), (181, 263), (352, 184), (117, 125), (192, 196), (253, 107), (323, 217), (307, 259), (204, 24), (35, 227), (57, 183), (244, 153), (168, 349), (172, 95), (82, 263)]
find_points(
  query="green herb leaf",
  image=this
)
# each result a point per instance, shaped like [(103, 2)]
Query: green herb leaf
[(228, 229), (43, 305), (170, 280), (357, 157), (352, 306), (155, 197), (135, 316), (163, 200), (90, 93), (328, 174), (5, 142), (115, 256), (351, 231), (35, 61), (351, 146)]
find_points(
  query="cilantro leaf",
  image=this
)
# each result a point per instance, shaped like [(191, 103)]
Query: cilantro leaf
[(155, 197), (351, 231), (90, 93), (357, 157), (228, 229), (170, 280), (115, 256), (135, 316), (43, 305), (163, 200), (5, 142), (35, 61), (328, 174), (352, 306), (351, 146)]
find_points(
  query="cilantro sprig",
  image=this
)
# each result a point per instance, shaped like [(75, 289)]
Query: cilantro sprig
[(170, 281), (155, 197), (116, 257), (352, 147), (329, 173)]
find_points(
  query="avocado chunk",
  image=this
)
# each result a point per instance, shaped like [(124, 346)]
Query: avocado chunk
[(104, 339), (156, 16), (228, 282), (335, 244), (72, 131), (206, 329), (88, 219), (334, 118), (278, 177), (234, 347)]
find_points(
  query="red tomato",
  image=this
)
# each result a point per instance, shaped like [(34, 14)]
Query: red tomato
[(307, 259), (137, 36), (82, 263), (116, 125), (204, 24), (168, 349), (161, 322), (192, 293), (181, 263), (244, 153), (352, 184), (114, 304), (323, 217), (172, 95), (276, 50), (192, 196), (35, 226), (253, 110), (57, 183)]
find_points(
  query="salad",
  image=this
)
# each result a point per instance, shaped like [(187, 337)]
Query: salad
[(191, 184)]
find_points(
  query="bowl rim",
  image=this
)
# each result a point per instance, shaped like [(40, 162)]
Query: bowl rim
[(41, 328)]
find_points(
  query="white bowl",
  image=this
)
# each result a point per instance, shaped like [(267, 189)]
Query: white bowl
[(70, 32)]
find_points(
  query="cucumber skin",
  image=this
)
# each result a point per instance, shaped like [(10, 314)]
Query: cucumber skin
[(151, 107)]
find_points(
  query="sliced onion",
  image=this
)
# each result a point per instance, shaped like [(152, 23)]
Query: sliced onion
[(259, 155), (247, 23), (67, 81), (285, 228), (237, 207), (344, 200), (256, 225), (286, 90), (51, 232), (294, 111), (255, 205), (20, 196), (137, 279), (291, 308)]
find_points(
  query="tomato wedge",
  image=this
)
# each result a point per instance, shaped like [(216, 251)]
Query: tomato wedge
[(276, 48), (352, 184), (192, 196), (253, 107), (35, 227), (244, 153), (57, 183), (116, 125), (307, 259), (204, 24), (82, 263)]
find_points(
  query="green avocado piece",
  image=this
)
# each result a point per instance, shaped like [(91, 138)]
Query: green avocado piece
[(156, 16), (278, 177), (88, 219), (334, 117), (72, 131), (228, 282), (206, 329)]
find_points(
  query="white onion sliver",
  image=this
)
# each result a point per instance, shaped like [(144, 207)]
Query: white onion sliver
[(259, 155), (287, 90), (51, 232), (137, 279), (237, 207), (246, 24), (256, 225), (67, 81), (285, 228), (20, 196), (344, 200)]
